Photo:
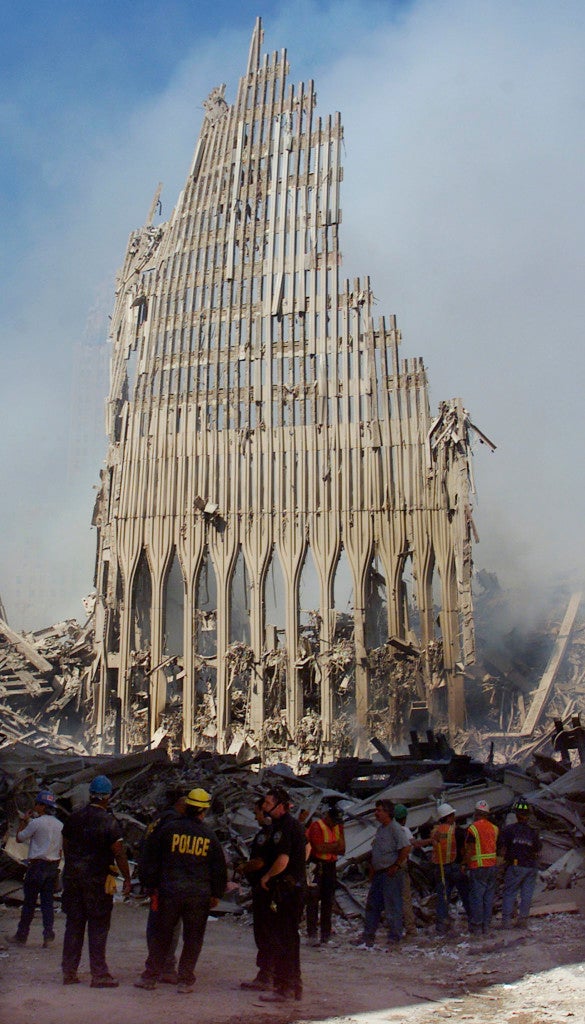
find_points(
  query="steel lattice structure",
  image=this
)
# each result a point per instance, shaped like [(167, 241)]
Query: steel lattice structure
[(256, 410)]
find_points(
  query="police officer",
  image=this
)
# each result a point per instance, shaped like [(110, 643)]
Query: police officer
[(284, 881), (185, 862), (175, 809), (253, 869), (520, 845)]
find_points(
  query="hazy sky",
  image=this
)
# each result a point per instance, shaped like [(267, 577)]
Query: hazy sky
[(463, 200)]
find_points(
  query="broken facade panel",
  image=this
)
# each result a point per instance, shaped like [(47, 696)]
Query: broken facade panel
[(259, 414)]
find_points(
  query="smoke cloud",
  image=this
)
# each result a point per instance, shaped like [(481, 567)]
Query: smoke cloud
[(462, 200)]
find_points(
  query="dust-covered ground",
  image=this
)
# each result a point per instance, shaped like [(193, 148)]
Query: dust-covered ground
[(531, 977)]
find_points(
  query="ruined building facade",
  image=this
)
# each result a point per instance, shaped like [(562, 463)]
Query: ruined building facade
[(258, 417)]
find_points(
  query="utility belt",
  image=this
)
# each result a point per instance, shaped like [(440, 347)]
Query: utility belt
[(284, 885)]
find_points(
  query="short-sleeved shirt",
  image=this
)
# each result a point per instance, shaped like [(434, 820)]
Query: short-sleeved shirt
[(388, 842), (44, 836), (521, 843), (288, 837), (261, 847), (89, 835), (408, 835)]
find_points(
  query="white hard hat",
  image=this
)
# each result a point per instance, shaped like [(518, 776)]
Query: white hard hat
[(482, 805), (444, 810)]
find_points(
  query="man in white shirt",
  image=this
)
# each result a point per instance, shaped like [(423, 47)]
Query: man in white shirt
[(42, 830)]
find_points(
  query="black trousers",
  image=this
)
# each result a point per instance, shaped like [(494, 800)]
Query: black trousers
[(285, 952), (193, 911), (321, 896), (262, 924), (171, 960), (86, 904)]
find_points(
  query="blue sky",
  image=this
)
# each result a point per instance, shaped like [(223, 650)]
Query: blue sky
[(462, 199)]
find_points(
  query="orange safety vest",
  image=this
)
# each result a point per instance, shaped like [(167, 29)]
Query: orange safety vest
[(486, 837), (444, 845), (329, 835)]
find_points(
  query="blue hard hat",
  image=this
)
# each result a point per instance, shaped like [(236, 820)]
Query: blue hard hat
[(46, 798), (100, 786)]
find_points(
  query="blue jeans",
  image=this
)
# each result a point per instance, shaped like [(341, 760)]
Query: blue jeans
[(454, 879), (482, 889), (385, 895), (40, 879), (518, 881)]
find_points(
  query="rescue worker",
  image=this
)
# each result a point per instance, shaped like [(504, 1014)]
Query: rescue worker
[(185, 863), (520, 846), (41, 829), (400, 816), (326, 839), (284, 880), (388, 854), (447, 868), (253, 870), (92, 841), (175, 809), (480, 853)]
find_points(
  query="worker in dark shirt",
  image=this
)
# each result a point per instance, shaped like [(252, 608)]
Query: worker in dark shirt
[(253, 869), (519, 845), (284, 880), (185, 863), (92, 844)]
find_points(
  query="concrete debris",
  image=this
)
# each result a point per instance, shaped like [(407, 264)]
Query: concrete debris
[(45, 692), (47, 738), (49, 696), (143, 781)]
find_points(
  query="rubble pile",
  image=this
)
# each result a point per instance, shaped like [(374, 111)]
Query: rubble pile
[(429, 774), (45, 692), (525, 738), (523, 682)]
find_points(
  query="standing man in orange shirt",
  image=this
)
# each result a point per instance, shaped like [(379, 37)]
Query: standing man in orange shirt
[(327, 842), (447, 869), (480, 854)]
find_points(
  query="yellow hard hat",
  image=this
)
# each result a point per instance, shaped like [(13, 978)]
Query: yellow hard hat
[(198, 798)]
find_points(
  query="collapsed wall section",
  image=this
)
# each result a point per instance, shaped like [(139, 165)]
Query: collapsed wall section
[(259, 421)]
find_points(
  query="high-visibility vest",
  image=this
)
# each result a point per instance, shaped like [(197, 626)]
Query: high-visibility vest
[(329, 835), (444, 845), (486, 837)]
